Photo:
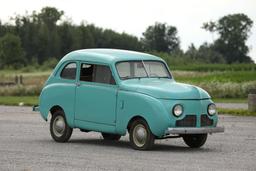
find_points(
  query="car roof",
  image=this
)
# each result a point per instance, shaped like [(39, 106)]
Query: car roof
[(107, 55)]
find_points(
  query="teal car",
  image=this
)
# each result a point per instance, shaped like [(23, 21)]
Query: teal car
[(117, 91)]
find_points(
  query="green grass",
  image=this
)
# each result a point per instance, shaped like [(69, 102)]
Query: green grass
[(230, 100), (216, 76), (219, 80), (26, 74), (239, 112), (18, 100), (214, 67)]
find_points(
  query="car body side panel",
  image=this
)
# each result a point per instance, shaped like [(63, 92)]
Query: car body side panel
[(132, 104), (59, 94), (96, 103), (91, 126)]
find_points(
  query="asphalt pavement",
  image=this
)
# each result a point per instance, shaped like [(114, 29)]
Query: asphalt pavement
[(25, 144)]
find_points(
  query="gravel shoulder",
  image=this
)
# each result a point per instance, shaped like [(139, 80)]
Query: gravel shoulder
[(25, 144)]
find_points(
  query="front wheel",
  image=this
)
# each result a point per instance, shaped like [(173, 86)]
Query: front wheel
[(140, 136), (60, 131), (195, 140)]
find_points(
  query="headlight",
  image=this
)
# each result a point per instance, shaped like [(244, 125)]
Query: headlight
[(212, 109), (177, 110)]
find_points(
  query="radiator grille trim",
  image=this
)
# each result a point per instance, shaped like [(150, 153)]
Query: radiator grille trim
[(206, 121), (187, 121)]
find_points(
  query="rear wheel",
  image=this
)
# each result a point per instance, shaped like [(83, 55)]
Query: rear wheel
[(195, 140), (114, 137), (60, 131), (141, 137)]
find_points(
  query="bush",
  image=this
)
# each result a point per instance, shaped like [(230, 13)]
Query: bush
[(215, 67), (21, 90), (228, 90), (49, 64)]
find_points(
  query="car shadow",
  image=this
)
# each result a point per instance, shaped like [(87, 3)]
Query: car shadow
[(176, 148), (101, 142), (126, 145)]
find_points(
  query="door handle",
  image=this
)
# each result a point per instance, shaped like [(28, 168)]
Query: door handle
[(78, 84), (122, 105)]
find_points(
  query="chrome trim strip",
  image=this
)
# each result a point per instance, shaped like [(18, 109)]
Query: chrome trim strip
[(192, 130)]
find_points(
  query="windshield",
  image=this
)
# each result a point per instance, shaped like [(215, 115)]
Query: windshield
[(142, 69)]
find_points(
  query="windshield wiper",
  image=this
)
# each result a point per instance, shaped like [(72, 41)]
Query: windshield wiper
[(129, 77), (164, 77)]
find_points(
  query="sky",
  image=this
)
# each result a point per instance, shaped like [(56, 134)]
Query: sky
[(134, 16)]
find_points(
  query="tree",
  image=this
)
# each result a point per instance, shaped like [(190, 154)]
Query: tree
[(204, 54), (11, 52), (192, 52), (233, 30), (50, 16), (160, 37)]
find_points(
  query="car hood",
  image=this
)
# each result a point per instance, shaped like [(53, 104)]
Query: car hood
[(164, 88)]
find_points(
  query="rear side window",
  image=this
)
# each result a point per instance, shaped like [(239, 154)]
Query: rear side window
[(96, 73), (69, 71)]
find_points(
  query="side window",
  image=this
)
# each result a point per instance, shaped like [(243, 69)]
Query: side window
[(69, 71), (96, 73), (102, 74), (86, 72)]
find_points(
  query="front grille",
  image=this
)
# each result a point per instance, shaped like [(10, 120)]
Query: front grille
[(187, 121), (206, 121)]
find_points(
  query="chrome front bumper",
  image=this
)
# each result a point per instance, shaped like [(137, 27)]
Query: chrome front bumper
[(192, 130)]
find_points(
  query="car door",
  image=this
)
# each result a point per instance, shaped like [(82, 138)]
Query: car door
[(96, 95)]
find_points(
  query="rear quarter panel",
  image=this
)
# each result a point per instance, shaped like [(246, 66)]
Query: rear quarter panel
[(59, 94)]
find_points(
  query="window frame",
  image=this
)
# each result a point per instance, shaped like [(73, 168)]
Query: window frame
[(64, 66), (140, 60), (93, 82)]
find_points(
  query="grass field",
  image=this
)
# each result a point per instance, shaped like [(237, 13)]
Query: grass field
[(220, 84), (19, 100), (229, 83), (224, 83), (240, 112), (214, 67), (230, 100), (215, 76)]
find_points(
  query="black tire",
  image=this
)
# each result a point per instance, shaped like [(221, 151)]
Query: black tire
[(148, 139), (113, 137), (60, 134), (195, 140)]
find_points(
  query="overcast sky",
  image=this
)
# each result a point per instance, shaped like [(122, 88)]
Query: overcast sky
[(133, 16)]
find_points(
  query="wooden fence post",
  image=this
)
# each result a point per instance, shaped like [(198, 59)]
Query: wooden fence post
[(21, 79), (252, 100), (16, 79)]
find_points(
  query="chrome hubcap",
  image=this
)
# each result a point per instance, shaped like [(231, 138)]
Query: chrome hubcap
[(59, 126), (139, 135)]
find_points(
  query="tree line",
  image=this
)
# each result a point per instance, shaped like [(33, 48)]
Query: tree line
[(42, 37)]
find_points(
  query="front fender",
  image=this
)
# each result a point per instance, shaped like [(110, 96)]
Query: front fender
[(132, 104)]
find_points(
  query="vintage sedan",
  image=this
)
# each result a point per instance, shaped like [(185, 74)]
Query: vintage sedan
[(118, 91)]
